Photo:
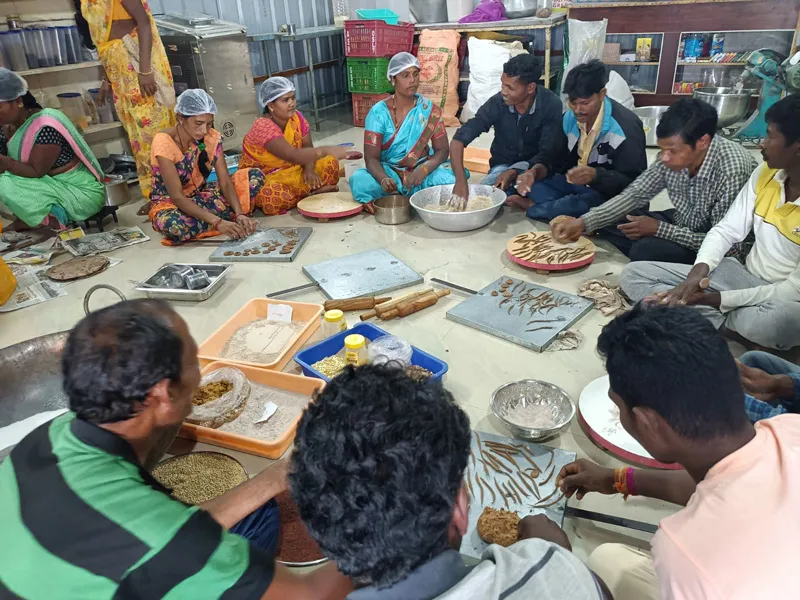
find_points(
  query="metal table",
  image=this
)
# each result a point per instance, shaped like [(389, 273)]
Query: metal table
[(305, 36), (548, 24)]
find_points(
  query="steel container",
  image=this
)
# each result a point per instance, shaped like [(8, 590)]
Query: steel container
[(731, 105), (650, 115), (551, 398), (392, 210), (456, 221)]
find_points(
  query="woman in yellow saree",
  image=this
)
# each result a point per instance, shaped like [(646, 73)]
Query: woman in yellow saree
[(279, 144), (137, 72)]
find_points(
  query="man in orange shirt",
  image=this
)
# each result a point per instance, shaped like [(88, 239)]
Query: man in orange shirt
[(679, 394)]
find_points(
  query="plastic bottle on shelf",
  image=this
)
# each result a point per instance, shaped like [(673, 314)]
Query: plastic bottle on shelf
[(31, 55), (14, 49), (77, 44), (341, 12)]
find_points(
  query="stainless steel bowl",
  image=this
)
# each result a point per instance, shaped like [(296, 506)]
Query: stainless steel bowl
[(650, 115), (456, 221), (731, 105), (117, 192), (552, 400), (392, 210)]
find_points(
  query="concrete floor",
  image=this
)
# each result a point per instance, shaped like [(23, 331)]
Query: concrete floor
[(478, 362)]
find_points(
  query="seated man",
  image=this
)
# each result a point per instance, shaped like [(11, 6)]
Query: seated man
[(527, 128), (678, 392), (702, 172), (82, 516), (772, 385), (378, 476), (607, 151), (760, 301)]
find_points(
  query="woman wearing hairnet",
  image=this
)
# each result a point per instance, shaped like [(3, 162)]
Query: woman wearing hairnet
[(279, 144), (185, 206), (48, 174), (405, 142)]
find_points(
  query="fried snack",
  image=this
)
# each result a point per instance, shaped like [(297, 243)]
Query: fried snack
[(211, 391), (498, 526)]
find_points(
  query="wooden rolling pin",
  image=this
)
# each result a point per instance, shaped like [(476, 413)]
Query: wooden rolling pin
[(355, 303), (406, 308), (392, 304)]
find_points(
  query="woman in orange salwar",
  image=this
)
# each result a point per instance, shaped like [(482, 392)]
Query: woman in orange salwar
[(137, 72), (279, 144)]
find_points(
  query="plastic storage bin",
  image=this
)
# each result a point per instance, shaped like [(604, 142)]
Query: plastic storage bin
[(14, 49), (376, 38), (362, 103), (77, 45), (378, 14), (31, 55), (368, 75), (59, 36), (334, 344)]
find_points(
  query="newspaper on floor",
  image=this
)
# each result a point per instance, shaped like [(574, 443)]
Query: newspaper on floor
[(38, 254), (33, 287), (107, 241)]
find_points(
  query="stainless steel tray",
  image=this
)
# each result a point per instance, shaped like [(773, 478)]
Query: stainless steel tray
[(216, 273)]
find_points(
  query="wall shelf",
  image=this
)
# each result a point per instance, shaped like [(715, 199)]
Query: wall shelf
[(102, 127), (60, 68), (629, 63), (712, 64)]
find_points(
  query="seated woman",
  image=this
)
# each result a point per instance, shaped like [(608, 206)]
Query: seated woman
[(279, 145), (48, 174), (397, 142), (185, 206)]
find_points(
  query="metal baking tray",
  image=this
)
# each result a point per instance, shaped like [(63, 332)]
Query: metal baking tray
[(216, 273)]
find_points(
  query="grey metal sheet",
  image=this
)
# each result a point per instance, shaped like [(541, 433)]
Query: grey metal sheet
[(262, 236), (483, 312), (364, 274), (472, 544)]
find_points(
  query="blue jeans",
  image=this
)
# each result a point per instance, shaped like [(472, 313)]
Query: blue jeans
[(495, 172), (758, 409), (554, 197), (261, 527)]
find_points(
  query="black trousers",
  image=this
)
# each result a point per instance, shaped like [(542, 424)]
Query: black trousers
[(649, 248)]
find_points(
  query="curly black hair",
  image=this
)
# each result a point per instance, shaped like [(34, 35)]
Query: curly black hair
[(673, 361), (114, 357), (377, 464)]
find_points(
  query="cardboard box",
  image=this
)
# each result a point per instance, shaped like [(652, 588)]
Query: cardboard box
[(611, 52)]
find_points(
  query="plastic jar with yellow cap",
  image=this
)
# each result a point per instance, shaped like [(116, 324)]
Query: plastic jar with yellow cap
[(333, 322), (355, 350)]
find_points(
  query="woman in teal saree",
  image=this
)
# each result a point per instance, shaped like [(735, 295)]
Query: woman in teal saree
[(48, 174), (405, 142)]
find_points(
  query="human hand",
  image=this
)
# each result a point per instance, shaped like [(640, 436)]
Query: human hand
[(311, 178), (639, 227), (232, 230), (250, 225), (416, 177), (278, 475), (506, 179), (584, 476), (460, 195), (370, 208), (338, 152), (147, 84), (540, 527), (764, 386), (105, 92), (389, 185), (688, 293), (581, 175), (567, 229), (525, 182)]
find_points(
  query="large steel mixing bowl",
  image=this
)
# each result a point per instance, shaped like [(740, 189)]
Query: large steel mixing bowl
[(731, 105)]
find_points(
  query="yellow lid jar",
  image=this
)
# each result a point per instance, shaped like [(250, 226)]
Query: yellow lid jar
[(333, 323), (355, 350)]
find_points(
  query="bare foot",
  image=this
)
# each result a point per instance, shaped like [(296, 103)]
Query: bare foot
[(518, 201), (144, 210), (324, 190)]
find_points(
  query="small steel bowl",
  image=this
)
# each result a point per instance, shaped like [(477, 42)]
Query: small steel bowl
[(551, 398), (392, 210)]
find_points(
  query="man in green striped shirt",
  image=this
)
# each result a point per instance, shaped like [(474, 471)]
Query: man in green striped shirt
[(82, 518)]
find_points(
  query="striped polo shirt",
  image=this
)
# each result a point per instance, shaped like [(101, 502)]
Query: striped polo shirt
[(81, 519)]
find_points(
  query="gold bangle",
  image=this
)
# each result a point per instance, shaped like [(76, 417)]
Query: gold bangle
[(145, 73)]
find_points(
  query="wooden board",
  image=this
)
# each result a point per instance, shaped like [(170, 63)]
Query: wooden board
[(547, 259), (332, 205)]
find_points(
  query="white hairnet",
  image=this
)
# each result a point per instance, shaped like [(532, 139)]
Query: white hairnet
[(273, 88), (400, 62), (195, 102), (12, 86)]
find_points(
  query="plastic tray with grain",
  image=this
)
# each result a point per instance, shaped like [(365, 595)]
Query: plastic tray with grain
[(335, 343), (269, 449), (211, 349)]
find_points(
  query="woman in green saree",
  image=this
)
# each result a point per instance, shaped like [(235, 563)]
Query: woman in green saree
[(48, 174)]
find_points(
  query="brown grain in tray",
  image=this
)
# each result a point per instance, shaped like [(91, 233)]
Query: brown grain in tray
[(295, 544)]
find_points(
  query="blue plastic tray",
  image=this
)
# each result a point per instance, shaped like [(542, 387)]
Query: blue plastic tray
[(378, 14), (306, 358)]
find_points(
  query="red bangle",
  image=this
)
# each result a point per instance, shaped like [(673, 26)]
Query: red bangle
[(630, 482), (217, 222)]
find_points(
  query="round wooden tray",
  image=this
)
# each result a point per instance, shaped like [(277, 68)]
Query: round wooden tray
[(331, 205), (516, 253), (78, 268), (599, 417)]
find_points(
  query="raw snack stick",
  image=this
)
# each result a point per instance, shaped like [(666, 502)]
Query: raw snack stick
[(392, 304)]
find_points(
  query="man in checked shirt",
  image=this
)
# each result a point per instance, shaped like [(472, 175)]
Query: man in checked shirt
[(702, 173)]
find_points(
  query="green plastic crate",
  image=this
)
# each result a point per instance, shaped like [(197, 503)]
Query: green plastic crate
[(368, 75)]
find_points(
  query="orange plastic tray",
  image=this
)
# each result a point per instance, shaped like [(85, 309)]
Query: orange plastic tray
[(211, 349), (477, 159), (272, 449)]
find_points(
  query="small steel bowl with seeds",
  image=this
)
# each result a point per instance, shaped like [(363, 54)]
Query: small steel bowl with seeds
[(198, 477), (532, 409)]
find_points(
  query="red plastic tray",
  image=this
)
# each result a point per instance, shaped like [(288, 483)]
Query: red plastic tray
[(362, 103)]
